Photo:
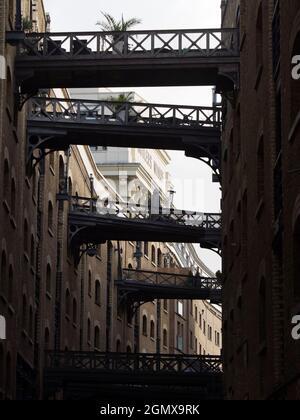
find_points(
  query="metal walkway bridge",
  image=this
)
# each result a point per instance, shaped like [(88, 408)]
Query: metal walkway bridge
[(135, 58)]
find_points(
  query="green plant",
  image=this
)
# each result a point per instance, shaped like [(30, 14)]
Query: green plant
[(110, 24), (27, 24), (121, 100)]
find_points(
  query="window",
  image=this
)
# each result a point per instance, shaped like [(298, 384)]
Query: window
[(50, 215), (32, 251), (25, 238), (145, 326), (89, 330), (204, 327), (6, 180), (191, 340), (118, 346), (179, 307), (47, 338), (30, 329), (200, 321), (3, 283), (153, 256), (146, 248), (74, 311), (90, 283), (165, 338), (196, 345), (260, 169), (259, 37), (97, 338), (68, 303), (13, 198), (159, 258), (165, 305), (179, 336), (48, 279), (24, 312), (196, 314), (10, 284), (98, 293), (152, 329)]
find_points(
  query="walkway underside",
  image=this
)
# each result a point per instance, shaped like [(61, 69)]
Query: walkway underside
[(145, 286), (86, 375)]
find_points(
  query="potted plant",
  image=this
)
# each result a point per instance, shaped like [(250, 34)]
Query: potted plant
[(27, 24), (110, 24), (118, 104)]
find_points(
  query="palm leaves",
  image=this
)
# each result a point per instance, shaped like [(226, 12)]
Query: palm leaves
[(110, 24)]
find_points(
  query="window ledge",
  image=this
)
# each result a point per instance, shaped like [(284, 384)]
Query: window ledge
[(50, 231), (48, 295)]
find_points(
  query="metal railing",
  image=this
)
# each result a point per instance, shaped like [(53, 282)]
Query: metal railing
[(133, 363), (107, 208), (125, 114), (205, 43), (171, 279)]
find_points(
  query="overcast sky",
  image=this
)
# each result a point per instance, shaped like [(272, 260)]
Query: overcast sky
[(192, 179)]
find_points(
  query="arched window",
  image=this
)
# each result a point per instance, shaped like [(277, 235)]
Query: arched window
[(50, 215), (128, 349), (90, 283), (165, 338), (152, 329), (97, 338), (159, 258), (165, 305), (259, 37), (24, 313), (74, 311), (32, 251), (30, 328), (118, 346), (68, 303), (153, 256), (98, 292), (3, 279), (145, 326), (146, 249), (61, 177), (70, 187), (48, 279), (13, 197), (6, 180), (47, 338), (89, 332), (10, 284), (26, 238)]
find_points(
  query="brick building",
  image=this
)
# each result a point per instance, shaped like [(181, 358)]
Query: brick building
[(261, 204), (48, 301)]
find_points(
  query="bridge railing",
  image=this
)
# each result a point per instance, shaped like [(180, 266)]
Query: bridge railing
[(100, 207), (133, 362), (125, 113), (171, 279), (204, 43)]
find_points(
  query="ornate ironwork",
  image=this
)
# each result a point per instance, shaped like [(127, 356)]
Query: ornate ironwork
[(179, 43), (137, 211), (124, 114), (144, 286), (133, 363), (170, 279)]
